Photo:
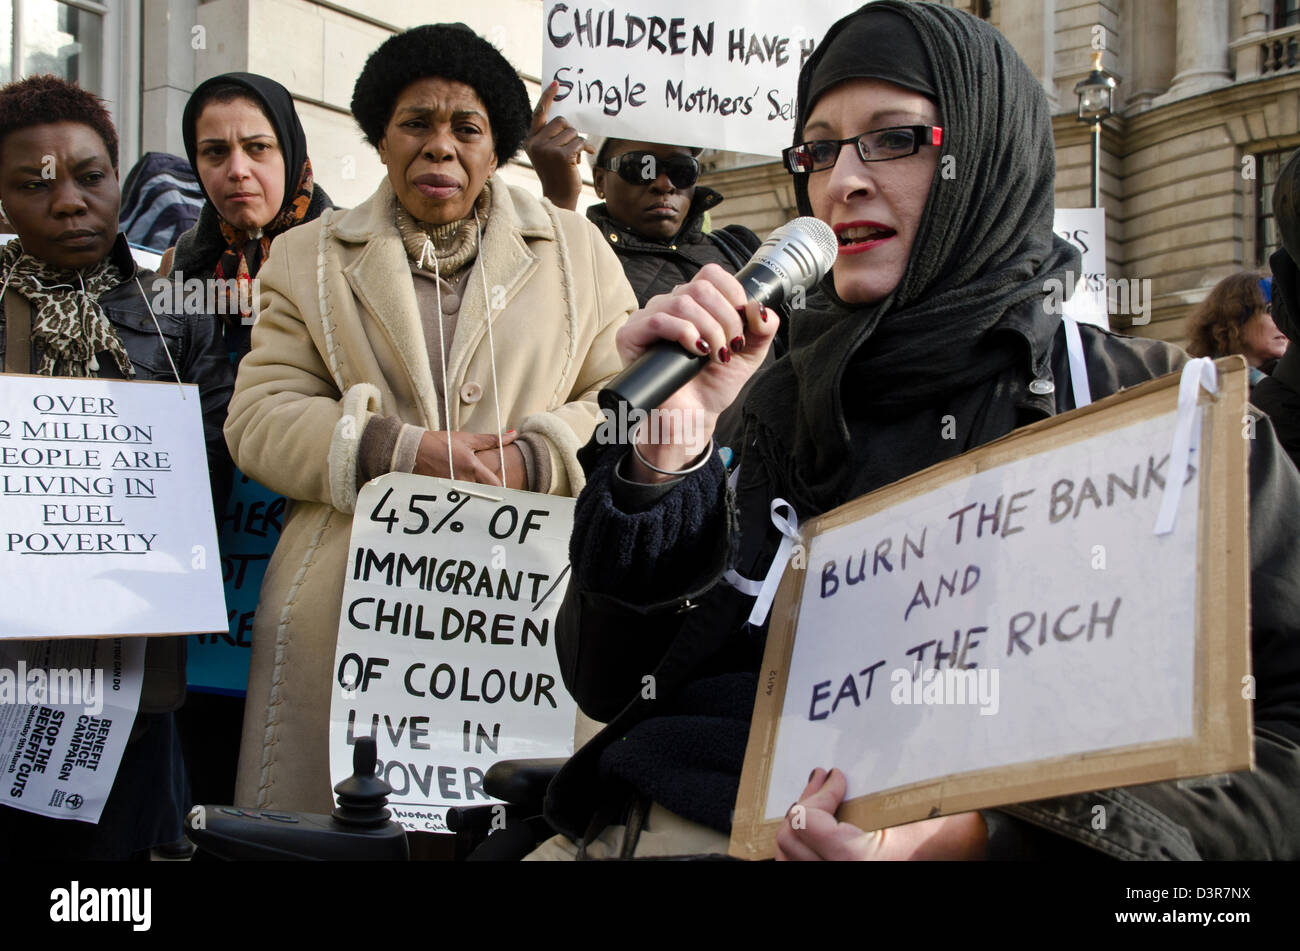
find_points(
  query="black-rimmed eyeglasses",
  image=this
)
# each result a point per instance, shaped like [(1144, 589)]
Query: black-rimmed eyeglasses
[(878, 145), (642, 168)]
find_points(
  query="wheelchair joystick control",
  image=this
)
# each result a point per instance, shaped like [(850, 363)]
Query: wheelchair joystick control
[(360, 828), (363, 795)]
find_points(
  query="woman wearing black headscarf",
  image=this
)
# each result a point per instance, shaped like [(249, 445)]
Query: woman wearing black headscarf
[(926, 143), (246, 145)]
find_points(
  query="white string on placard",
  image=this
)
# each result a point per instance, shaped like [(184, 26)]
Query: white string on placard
[(427, 253), (492, 353), (1197, 374)]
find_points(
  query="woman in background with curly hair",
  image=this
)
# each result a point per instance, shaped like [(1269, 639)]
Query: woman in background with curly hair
[(1236, 318)]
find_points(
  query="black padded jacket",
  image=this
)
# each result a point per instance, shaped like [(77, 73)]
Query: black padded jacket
[(656, 267)]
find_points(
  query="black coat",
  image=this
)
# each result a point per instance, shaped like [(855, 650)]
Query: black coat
[(652, 603), (1279, 396), (656, 267), (199, 250)]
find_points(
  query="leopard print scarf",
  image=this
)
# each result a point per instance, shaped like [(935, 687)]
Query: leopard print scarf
[(68, 325)]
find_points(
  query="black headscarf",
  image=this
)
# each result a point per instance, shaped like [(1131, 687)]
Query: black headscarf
[(214, 246), (984, 247), (277, 102)]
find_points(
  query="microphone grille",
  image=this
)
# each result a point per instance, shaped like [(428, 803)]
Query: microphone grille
[(804, 249), (822, 237)]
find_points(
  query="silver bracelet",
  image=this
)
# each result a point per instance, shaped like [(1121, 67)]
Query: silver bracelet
[(698, 464)]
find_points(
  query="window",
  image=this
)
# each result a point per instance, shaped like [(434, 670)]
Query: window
[(6, 40), (62, 39), (1285, 13), (51, 36), (1267, 167)]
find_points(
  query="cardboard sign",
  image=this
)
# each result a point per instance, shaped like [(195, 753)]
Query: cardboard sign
[(66, 711), (708, 74), (1007, 625), (218, 663), (1085, 228), (105, 509), (446, 647)]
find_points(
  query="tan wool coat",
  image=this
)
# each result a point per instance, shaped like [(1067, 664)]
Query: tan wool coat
[(338, 338)]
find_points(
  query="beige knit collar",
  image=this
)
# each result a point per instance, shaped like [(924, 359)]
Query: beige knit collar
[(453, 244)]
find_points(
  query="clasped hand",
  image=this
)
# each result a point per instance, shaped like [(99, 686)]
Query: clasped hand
[(474, 458)]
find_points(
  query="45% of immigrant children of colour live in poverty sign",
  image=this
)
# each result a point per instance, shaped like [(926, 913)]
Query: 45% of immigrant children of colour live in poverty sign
[(446, 647), (1059, 611), (106, 529)]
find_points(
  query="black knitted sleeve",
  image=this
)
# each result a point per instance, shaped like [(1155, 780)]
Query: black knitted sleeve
[(648, 544)]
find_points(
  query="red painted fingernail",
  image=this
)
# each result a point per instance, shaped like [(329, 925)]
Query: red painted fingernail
[(702, 345), (765, 313), (724, 355), (737, 344)]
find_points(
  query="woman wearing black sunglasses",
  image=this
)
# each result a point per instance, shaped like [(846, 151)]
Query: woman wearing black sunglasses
[(925, 143)]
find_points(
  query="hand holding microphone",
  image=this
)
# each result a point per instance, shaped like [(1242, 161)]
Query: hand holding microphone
[(691, 352)]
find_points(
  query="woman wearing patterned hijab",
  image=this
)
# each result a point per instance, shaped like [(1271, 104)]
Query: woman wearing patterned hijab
[(74, 304), (925, 143), (246, 145)]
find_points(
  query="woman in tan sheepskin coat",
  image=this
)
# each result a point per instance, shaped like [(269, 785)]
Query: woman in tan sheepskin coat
[(345, 378)]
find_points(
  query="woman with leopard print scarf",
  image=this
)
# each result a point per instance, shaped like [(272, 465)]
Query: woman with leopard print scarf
[(73, 303)]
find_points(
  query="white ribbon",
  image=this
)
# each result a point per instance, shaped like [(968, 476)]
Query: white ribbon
[(765, 590), (1187, 436), (1078, 366)]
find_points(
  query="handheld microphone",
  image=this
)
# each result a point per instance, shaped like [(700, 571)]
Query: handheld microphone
[(796, 255)]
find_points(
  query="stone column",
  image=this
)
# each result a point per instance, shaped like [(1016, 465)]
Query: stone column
[(1201, 57), (1152, 58), (167, 72)]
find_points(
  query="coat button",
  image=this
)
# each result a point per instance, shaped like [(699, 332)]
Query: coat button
[(471, 392), (450, 303), (614, 238), (1042, 387)]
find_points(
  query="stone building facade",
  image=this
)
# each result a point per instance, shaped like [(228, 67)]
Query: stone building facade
[(1207, 109)]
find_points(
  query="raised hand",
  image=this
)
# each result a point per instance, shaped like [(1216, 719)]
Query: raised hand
[(555, 148), (708, 316)]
